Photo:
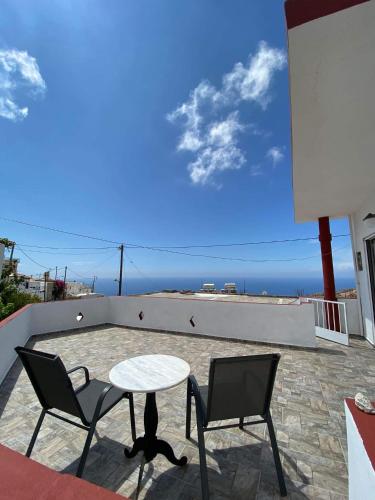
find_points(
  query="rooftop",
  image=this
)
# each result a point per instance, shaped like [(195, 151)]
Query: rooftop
[(255, 299), (307, 410)]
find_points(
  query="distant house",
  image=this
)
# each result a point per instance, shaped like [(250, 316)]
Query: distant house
[(10, 266), (75, 288), (43, 289), (230, 288), (208, 288)]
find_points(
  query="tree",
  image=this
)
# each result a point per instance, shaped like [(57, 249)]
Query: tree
[(11, 299)]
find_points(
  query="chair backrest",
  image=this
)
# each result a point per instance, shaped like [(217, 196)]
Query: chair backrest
[(51, 383), (241, 386)]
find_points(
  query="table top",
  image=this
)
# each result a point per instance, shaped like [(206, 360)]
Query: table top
[(149, 373)]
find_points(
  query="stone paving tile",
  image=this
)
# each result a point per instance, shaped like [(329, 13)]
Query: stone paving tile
[(307, 409)]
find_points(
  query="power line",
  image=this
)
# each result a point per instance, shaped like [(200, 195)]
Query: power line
[(247, 243), (63, 253), (80, 275), (34, 261), (59, 230), (237, 259), (159, 248), (137, 268), (63, 248)]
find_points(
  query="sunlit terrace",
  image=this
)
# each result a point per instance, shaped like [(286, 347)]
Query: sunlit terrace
[(307, 410)]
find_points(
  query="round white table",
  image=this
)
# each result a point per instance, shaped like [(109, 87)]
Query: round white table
[(149, 374)]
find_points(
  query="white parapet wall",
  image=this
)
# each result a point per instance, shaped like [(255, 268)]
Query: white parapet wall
[(58, 316), (289, 324), (14, 331), (48, 317)]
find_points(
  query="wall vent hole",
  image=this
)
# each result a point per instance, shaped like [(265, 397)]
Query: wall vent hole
[(140, 315), (192, 322), (79, 317)]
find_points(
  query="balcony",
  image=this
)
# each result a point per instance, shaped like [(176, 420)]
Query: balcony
[(307, 409)]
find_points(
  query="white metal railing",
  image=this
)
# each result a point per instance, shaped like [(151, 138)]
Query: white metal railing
[(330, 319)]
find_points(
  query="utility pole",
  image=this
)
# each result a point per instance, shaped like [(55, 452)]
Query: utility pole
[(56, 274), (66, 268), (121, 248), (11, 253), (93, 283), (45, 286)]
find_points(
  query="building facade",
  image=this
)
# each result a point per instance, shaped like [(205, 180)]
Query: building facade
[(331, 49)]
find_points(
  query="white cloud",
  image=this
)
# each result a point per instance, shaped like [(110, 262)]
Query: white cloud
[(19, 73), (212, 137), (252, 82), (275, 154), (255, 170), (220, 151)]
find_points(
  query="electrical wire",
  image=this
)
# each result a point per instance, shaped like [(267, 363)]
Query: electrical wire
[(63, 248), (34, 261), (64, 253), (159, 248), (59, 230), (236, 259), (291, 240)]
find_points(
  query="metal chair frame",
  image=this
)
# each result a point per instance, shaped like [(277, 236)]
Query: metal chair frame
[(86, 425), (202, 417)]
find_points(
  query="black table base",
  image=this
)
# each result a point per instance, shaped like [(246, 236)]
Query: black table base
[(149, 443)]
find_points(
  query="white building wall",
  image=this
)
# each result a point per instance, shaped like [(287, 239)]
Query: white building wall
[(360, 232)]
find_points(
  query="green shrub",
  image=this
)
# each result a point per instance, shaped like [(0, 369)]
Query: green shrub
[(11, 299)]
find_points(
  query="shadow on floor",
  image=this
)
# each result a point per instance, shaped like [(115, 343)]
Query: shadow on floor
[(240, 472), (11, 379), (106, 465)]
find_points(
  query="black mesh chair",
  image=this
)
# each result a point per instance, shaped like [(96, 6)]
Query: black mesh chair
[(89, 402), (238, 387)]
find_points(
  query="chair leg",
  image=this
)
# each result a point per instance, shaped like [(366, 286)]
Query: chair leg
[(202, 458), (241, 422), (132, 417), (276, 456), (35, 433), (86, 449), (188, 411), (140, 475)]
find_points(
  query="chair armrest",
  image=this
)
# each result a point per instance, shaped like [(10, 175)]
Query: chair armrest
[(98, 406), (87, 377), (194, 388)]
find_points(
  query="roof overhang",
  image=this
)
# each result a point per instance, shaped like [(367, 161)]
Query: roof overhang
[(332, 92)]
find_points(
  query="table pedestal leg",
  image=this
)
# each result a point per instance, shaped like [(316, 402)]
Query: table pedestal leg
[(149, 443)]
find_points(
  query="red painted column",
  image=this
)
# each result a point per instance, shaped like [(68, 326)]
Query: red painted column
[(325, 237)]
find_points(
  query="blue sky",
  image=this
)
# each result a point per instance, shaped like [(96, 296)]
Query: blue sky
[(157, 123)]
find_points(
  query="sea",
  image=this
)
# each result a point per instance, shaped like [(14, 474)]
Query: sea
[(253, 285)]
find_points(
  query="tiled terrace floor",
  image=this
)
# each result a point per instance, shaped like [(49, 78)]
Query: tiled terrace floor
[(307, 408)]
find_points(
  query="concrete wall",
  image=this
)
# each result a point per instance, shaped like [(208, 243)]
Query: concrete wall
[(273, 323), (62, 315), (14, 331), (281, 324), (361, 231), (36, 319)]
